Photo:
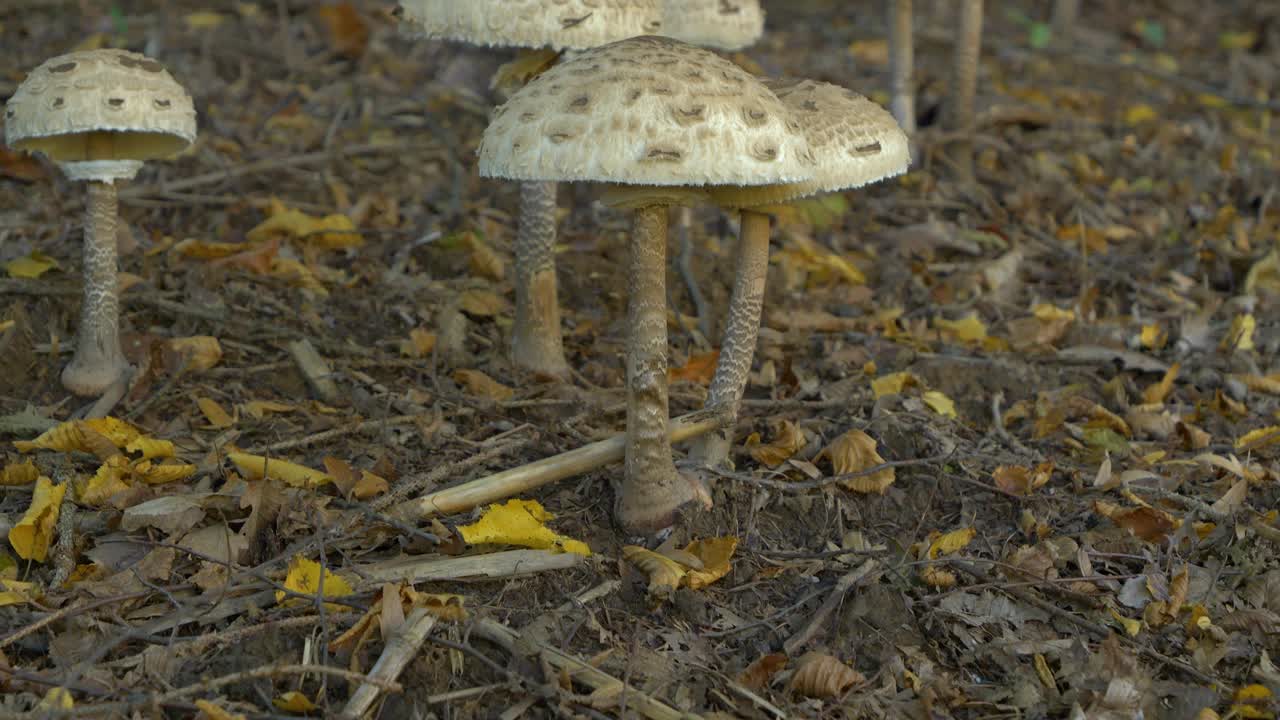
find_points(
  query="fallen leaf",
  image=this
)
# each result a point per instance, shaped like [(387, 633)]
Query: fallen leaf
[(893, 383), (33, 533), (419, 344), (294, 702), (214, 712), (478, 383), (200, 352), (1240, 336), (969, 329), (1022, 480), (940, 403), (1147, 523), (258, 409), (106, 483), (348, 32), (16, 592), (761, 671), (699, 369), (214, 414), (527, 65), (150, 448), (853, 452), (331, 232), (823, 676), (481, 303), (484, 262), (788, 439), (23, 473), (715, 554), (257, 467), (31, 266), (950, 542), (1155, 394), (664, 573), (519, 522), (306, 577)]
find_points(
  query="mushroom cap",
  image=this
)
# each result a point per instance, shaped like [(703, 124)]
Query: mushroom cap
[(646, 111), (723, 24), (559, 24), (100, 105), (854, 140)]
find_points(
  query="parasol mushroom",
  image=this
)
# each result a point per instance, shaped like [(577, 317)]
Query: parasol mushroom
[(662, 120), (536, 342), (855, 142), (99, 115)]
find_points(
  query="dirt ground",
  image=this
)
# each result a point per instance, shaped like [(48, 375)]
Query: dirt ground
[(1070, 365)]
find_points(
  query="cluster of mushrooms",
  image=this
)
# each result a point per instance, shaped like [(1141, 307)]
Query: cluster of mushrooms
[(633, 102)]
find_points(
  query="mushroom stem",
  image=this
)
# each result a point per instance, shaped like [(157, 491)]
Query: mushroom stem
[(965, 81), (652, 491), (901, 65), (1065, 13), (535, 341), (98, 361), (739, 345)]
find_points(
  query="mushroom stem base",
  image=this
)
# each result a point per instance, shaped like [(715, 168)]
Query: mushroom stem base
[(536, 343), (98, 361), (739, 346), (653, 493)]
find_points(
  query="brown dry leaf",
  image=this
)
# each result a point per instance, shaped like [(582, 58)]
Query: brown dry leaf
[(214, 414), (445, 606), (214, 712), (788, 439), (1022, 480), (484, 261), (936, 576), (478, 383), (1148, 523), (23, 473), (664, 573), (419, 344), (20, 166), (699, 369), (715, 554), (1155, 394), (481, 303), (348, 32), (369, 485), (758, 674), (331, 232), (823, 676), (200, 352), (854, 452), (258, 409)]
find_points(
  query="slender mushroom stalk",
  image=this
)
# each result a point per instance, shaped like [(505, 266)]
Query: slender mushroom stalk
[(99, 115), (902, 65), (536, 344), (964, 85), (854, 142), (657, 119)]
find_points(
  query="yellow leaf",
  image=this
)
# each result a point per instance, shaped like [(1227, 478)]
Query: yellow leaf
[(1046, 312), (893, 383), (305, 578), (213, 712), (257, 409), (478, 383), (151, 448), (951, 542), (198, 21), (119, 432), (1259, 438), (369, 485), (201, 250), (444, 606), (19, 474), (1240, 337), (664, 573), (939, 403), (31, 536), (872, 52), (1155, 394), (1131, 627), (331, 232), (70, 436), (969, 329), (294, 702), (158, 474), (217, 417), (519, 522), (715, 554), (1154, 337), (787, 441), (31, 266), (419, 344), (481, 303), (297, 275), (1264, 275), (1138, 114), (257, 467), (56, 699), (200, 352), (16, 592), (106, 483), (937, 577), (855, 451)]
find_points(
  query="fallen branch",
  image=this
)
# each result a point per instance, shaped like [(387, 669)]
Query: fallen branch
[(490, 488), (400, 649), (603, 684), (506, 564)]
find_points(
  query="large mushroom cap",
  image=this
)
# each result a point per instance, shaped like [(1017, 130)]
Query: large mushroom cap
[(724, 24), (646, 111), (559, 24), (854, 140), (100, 105)]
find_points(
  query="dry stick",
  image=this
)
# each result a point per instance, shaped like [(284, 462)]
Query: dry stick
[(842, 587), (315, 370), (902, 65), (461, 498), (272, 671), (510, 563), (440, 473), (965, 80), (198, 645), (1093, 628), (400, 649), (802, 486), (327, 435), (597, 680)]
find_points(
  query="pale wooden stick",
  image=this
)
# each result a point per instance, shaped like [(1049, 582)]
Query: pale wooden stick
[(490, 565), (400, 649), (507, 483), (580, 670), (316, 371)]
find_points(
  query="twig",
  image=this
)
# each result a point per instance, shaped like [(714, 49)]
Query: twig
[(440, 473), (315, 371), (327, 435), (579, 670), (510, 563), (804, 485), (64, 554), (842, 587), (400, 649), (272, 671)]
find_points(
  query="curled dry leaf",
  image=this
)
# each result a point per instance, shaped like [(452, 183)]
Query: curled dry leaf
[(217, 417), (1155, 394), (1150, 524), (1020, 479), (70, 436), (715, 554), (257, 467), (481, 303), (788, 439), (938, 577), (478, 383), (664, 573), (759, 673), (33, 533), (854, 452), (200, 352), (823, 676), (150, 448)]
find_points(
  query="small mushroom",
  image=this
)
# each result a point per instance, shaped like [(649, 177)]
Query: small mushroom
[(99, 115), (855, 142), (536, 343), (902, 91), (964, 80), (664, 120)]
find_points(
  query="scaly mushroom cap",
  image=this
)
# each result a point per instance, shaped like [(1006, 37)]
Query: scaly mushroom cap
[(100, 105), (723, 24), (855, 142), (646, 111), (559, 24)]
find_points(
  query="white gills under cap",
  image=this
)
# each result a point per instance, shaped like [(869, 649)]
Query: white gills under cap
[(723, 24), (646, 111), (854, 140), (558, 24), (100, 105)]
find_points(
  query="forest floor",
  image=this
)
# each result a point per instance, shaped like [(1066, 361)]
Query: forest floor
[(1070, 365)]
